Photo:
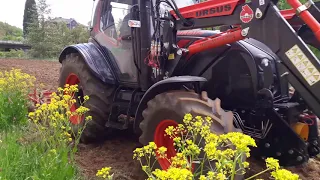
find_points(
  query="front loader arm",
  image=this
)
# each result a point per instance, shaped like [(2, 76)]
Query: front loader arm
[(298, 63), (291, 16)]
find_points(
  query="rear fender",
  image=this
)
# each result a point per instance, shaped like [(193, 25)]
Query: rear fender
[(94, 58), (173, 83)]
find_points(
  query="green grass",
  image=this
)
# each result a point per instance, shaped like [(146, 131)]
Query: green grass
[(13, 109), (23, 160)]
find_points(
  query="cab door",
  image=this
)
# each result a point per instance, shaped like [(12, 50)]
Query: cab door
[(112, 32)]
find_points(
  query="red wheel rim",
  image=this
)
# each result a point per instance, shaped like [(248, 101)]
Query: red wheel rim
[(73, 79), (161, 140)]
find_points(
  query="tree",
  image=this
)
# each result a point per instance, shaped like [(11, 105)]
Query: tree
[(30, 15), (10, 33), (48, 37)]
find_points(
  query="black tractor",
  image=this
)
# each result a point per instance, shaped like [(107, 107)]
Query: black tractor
[(149, 62)]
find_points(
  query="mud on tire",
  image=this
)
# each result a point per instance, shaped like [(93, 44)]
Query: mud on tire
[(100, 96)]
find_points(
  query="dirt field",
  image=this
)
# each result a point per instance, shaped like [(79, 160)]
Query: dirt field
[(46, 72), (116, 151)]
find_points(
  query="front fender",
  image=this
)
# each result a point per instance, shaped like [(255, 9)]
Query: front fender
[(173, 83), (94, 58)]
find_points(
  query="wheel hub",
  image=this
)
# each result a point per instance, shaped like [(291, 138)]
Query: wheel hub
[(73, 79), (161, 139)]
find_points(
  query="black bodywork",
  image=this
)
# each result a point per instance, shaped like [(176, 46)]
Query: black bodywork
[(95, 59), (250, 76)]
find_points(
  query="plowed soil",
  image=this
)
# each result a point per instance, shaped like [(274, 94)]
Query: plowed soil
[(116, 151), (46, 72)]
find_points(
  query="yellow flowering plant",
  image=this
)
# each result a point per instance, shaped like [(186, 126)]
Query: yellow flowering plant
[(41, 148), (218, 157), (104, 173), (14, 88), (52, 120)]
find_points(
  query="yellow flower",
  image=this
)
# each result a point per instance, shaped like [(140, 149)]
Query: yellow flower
[(86, 98), (208, 120), (170, 130), (284, 174), (82, 110), (173, 173), (31, 114), (221, 176), (179, 161), (177, 141), (239, 140), (104, 173), (245, 164), (53, 151), (88, 118), (191, 149), (210, 149), (272, 163), (67, 134), (187, 118), (66, 97), (162, 152), (202, 177), (68, 113), (211, 175), (146, 150), (138, 153), (152, 145)]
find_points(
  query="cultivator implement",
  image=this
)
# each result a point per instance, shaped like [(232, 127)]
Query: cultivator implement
[(40, 97)]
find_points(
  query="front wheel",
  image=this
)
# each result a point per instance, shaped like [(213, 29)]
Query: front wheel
[(168, 109)]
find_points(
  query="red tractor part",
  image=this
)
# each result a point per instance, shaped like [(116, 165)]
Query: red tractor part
[(73, 79), (227, 37), (161, 139), (40, 97), (306, 16)]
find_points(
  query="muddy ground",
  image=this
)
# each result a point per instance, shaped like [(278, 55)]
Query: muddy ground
[(116, 151)]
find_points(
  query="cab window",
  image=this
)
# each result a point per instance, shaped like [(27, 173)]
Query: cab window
[(114, 21)]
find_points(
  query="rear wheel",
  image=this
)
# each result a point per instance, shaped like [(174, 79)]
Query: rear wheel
[(168, 109), (75, 71)]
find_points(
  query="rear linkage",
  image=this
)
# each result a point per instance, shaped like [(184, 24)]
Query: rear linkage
[(296, 65)]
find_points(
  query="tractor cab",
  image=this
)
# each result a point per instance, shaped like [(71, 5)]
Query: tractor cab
[(110, 29)]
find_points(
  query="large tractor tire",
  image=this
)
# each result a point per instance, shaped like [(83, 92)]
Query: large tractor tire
[(75, 71), (169, 108)]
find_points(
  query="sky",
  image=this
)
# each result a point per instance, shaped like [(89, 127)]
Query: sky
[(11, 11)]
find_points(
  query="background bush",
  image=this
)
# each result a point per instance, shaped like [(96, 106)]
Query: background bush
[(13, 54)]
